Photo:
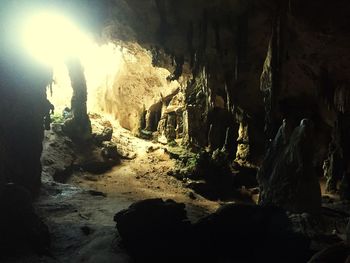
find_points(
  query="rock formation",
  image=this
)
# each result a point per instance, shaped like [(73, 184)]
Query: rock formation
[(22, 91), (225, 235), (78, 127), (287, 176), (217, 75)]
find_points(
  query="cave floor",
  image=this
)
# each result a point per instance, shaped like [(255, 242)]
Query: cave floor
[(80, 211), (78, 207)]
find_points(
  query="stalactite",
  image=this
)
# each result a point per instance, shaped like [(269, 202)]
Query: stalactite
[(225, 147), (216, 27), (271, 77), (209, 137), (266, 86), (342, 98), (178, 62), (190, 46), (241, 42), (326, 87), (163, 24), (236, 67), (199, 54), (155, 56), (228, 99), (199, 102)]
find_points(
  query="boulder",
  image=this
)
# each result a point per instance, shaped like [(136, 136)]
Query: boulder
[(97, 160), (58, 157), (95, 163), (154, 230), (104, 136), (337, 253), (109, 151), (228, 234), (159, 231)]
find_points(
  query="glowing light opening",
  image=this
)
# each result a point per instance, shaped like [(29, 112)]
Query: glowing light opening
[(51, 37)]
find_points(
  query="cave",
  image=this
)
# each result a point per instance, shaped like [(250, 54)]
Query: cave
[(174, 131)]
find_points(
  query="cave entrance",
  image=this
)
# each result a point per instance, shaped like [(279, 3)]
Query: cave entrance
[(122, 85), (127, 97), (121, 80), (127, 94)]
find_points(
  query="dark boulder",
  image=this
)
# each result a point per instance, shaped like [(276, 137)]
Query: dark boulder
[(104, 136), (155, 230), (158, 231), (97, 160), (249, 233), (110, 151), (337, 253)]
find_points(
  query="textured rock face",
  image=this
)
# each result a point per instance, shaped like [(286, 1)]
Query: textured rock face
[(287, 177), (136, 90), (219, 47), (207, 43), (78, 127), (23, 107), (231, 39)]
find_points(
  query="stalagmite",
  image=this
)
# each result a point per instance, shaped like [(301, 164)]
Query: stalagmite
[(287, 177), (79, 126)]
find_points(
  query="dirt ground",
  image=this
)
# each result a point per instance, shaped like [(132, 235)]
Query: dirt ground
[(80, 212)]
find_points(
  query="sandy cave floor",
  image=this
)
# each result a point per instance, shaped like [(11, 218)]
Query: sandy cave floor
[(80, 212)]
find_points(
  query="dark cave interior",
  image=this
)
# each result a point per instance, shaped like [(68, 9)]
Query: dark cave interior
[(174, 131)]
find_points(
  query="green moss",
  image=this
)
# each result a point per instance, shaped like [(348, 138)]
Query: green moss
[(57, 118), (173, 143)]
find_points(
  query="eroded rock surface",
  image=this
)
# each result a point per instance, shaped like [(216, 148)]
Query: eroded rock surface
[(287, 176)]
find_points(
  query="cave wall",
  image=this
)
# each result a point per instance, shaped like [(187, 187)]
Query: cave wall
[(220, 46), (23, 106), (308, 66), (136, 88), (230, 41)]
